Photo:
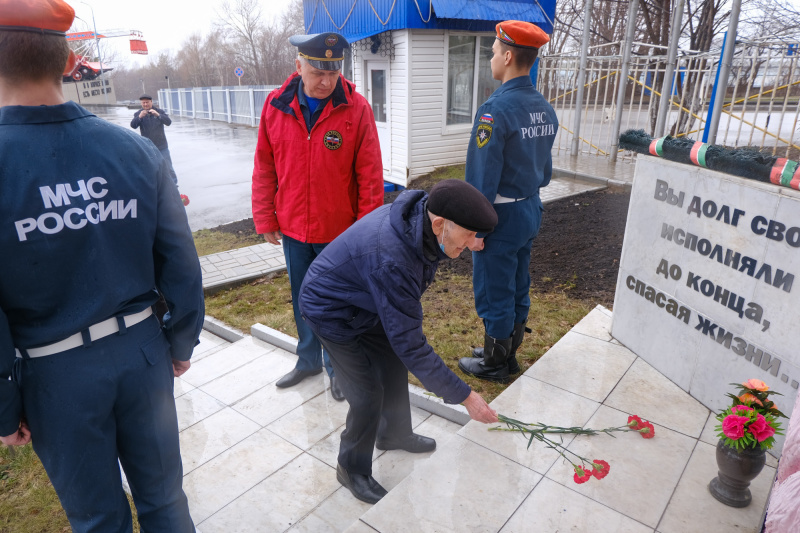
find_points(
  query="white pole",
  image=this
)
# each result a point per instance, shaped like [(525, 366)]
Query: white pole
[(587, 20), (725, 70), (622, 82), (99, 55), (672, 59)]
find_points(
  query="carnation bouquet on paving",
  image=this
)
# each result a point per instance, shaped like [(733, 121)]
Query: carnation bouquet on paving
[(584, 468)]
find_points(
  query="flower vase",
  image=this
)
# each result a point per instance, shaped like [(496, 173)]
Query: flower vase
[(737, 468)]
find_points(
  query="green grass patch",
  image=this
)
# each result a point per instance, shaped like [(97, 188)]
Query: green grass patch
[(208, 241), (266, 301), (28, 501)]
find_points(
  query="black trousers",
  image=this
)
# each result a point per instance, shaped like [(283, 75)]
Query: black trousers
[(375, 384)]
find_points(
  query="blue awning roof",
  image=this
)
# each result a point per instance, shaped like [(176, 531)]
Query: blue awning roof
[(491, 10)]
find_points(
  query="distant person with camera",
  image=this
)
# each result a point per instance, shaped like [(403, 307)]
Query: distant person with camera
[(152, 121)]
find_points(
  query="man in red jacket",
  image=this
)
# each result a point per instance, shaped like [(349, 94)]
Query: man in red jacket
[(317, 170)]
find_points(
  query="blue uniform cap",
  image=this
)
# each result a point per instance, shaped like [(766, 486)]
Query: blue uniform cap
[(324, 51)]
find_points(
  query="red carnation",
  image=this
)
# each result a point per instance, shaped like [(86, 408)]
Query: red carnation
[(634, 422), (647, 430), (582, 475), (600, 468)]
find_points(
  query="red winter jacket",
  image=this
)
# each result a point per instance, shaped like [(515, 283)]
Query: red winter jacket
[(311, 187)]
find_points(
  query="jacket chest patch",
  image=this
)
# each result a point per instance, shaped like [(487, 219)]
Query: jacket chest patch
[(332, 140)]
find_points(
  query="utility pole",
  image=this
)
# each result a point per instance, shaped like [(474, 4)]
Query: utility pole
[(99, 55)]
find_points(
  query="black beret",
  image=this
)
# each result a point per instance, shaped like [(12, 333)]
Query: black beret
[(324, 51), (462, 203)]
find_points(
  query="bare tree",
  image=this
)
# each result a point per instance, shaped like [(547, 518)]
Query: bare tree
[(243, 19)]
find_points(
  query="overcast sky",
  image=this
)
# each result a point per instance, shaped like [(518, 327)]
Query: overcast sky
[(165, 24)]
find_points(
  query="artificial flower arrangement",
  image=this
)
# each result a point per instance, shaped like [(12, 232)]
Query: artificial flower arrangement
[(750, 421), (583, 467)]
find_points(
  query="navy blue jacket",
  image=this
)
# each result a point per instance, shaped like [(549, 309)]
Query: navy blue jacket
[(152, 126), (376, 271), (90, 225), (509, 151)]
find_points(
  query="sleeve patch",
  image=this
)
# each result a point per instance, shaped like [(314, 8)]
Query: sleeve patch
[(483, 135)]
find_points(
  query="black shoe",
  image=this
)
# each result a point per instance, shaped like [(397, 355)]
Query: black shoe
[(336, 390), (513, 365), (413, 444), (365, 488), (476, 367), (296, 376)]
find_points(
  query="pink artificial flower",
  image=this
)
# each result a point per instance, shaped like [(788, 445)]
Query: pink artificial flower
[(756, 384), (737, 408), (761, 429), (600, 468), (582, 475), (733, 426)]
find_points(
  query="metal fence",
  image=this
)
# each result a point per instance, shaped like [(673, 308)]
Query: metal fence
[(234, 105), (760, 109)]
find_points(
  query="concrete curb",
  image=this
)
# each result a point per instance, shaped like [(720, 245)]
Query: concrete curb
[(419, 397), (571, 174), (220, 329), (275, 337), (228, 283), (433, 404)]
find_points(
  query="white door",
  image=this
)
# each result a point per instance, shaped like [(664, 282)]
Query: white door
[(378, 96)]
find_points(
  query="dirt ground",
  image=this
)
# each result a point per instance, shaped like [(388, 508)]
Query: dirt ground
[(577, 250)]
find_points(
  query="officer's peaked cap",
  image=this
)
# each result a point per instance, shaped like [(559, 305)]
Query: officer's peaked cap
[(324, 51), (462, 203)]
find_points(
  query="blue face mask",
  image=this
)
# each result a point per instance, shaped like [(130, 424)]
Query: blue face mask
[(441, 244)]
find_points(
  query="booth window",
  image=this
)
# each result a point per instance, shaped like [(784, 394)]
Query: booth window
[(469, 76)]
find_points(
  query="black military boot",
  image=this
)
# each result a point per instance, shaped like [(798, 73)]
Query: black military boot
[(494, 365), (516, 342)]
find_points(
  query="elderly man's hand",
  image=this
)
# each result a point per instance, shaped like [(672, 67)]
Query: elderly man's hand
[(273, 237), (180, 367), (478, 409), (142, 113), (476, 245), (21, 437)]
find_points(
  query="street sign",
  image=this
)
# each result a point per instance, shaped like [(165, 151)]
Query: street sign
[(239, 71)]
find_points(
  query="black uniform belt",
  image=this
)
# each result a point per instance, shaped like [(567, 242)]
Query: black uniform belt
[(503, 200), (85, 337)]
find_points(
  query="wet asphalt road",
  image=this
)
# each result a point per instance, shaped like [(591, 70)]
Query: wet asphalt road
[(214, 164)]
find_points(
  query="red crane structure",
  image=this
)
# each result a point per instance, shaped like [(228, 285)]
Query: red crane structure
[(83, 69)]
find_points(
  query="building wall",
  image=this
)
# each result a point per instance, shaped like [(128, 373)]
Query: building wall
[(420, 139), (398, 100), (431, 143)]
